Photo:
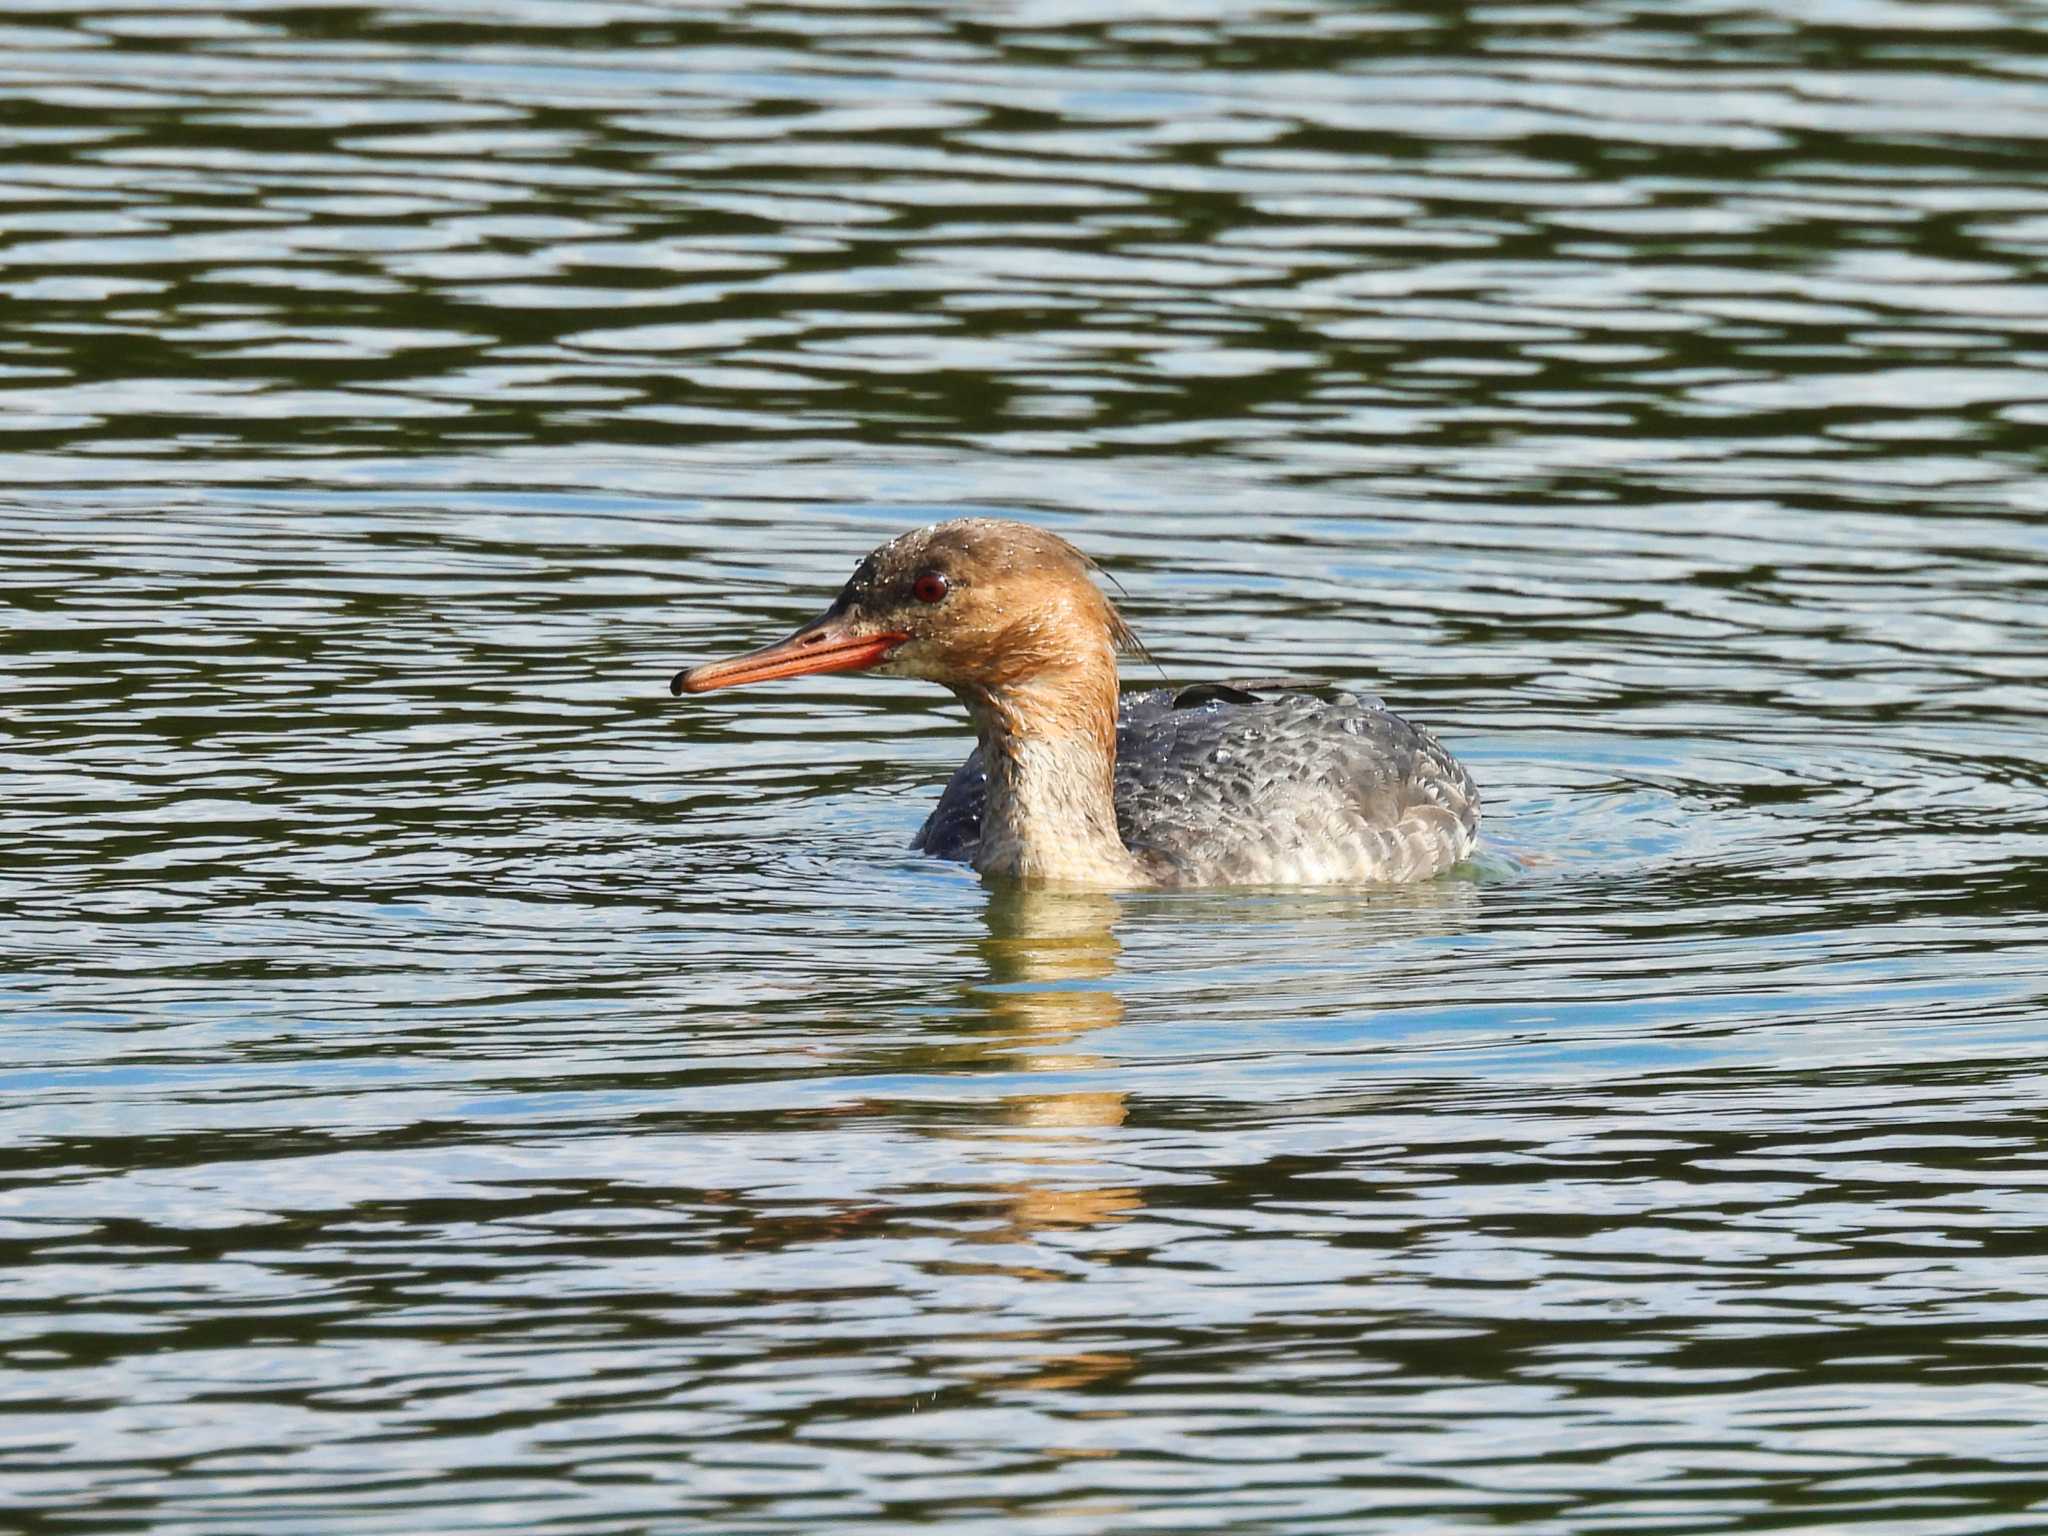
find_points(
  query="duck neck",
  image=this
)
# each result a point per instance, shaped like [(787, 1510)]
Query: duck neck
[(1049, 745)]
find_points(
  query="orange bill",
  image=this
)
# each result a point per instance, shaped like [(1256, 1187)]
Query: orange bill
[(820, 646)]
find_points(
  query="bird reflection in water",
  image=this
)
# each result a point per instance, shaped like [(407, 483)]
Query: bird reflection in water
[(1044, 946), (1052, 956)]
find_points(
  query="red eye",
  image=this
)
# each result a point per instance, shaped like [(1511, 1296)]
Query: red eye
[(929, 587)]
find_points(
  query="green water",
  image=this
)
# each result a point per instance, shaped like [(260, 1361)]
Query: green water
[(448, 1084)]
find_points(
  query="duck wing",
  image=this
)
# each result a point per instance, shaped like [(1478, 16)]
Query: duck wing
[(1246, 783)]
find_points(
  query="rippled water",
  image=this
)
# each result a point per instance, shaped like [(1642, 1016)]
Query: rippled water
[(452, 1085)]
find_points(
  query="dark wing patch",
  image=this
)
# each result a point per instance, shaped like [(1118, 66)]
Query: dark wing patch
[(953, 830), (1197, 694)]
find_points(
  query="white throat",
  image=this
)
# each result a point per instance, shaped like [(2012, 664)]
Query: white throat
[(1050, 813)]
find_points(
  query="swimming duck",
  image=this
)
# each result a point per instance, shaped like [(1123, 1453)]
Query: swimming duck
[(1072, 782)]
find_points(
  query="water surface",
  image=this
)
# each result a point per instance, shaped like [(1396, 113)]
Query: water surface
[(451, 1085)]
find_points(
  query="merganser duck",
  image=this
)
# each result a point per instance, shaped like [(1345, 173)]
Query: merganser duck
[(1216, 784)]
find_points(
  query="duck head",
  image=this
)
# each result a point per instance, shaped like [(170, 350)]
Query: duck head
[(979, 604)]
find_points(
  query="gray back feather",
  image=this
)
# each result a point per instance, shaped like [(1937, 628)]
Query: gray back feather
[(1237, 783)]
